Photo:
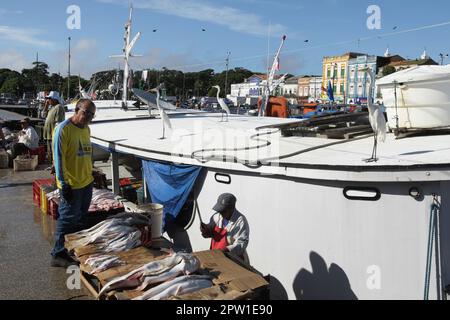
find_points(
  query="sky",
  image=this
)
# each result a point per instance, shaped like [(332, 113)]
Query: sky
[(248, 29)]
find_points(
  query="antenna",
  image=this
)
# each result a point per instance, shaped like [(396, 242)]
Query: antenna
[(270, 83), (68, 72)]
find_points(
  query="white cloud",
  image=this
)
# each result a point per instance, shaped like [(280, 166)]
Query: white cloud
[(11, 59), (226, 16), (25, 36)]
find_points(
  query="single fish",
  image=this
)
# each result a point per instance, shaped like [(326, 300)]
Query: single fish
[(100, 263), (177, 286)]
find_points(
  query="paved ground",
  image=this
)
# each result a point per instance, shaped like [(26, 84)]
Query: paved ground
[(26, 239)]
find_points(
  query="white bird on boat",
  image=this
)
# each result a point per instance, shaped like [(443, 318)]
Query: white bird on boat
[(222, 103), (376, 118), (164, 117)]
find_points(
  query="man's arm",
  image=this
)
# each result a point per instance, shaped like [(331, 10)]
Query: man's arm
[(59, 147), (207, 229), (241, 237), (59, 154)]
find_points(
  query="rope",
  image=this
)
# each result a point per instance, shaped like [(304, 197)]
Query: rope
[(431, 238)]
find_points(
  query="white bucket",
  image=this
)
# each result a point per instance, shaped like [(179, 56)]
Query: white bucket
[(155, 211)]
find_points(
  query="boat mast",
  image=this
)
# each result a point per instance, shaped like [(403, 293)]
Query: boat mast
[(270, 85), (128, 46)]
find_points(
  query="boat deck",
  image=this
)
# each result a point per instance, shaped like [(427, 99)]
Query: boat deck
[(256, 144)]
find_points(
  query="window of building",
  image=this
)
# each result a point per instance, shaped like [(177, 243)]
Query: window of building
[(342, 71)]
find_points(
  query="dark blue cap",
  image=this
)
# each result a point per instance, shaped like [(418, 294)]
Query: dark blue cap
[(224, 202)]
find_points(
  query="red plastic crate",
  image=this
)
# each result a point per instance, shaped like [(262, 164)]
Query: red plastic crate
[(37, 184)]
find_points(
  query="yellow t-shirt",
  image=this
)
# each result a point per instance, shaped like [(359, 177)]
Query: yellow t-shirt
[(72, 155)]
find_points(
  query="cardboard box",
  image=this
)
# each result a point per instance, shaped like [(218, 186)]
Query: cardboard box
[(233, 281), (25, 163)]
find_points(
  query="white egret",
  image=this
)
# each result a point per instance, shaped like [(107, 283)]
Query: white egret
[(164, 117), (222, 103), (376, 117)]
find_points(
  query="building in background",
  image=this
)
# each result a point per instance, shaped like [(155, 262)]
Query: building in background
[(358, 82), (315, 88), (424, 60), (303, 88), (334, 69), (289, 89), (250, 90)]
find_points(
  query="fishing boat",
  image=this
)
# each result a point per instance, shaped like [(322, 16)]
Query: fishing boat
[(324, 223)]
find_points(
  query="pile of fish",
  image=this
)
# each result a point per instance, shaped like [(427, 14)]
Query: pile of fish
[(103, 200), (121, 232), (102, 262), (165, 273)]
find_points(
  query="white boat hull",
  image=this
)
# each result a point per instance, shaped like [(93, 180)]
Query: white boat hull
[(334, 248)]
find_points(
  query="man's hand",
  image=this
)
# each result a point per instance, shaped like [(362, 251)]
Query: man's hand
[(67, 193), (206, 232)]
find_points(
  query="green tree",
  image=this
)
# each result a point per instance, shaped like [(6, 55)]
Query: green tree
[(38, 75), (12, 85), (11, 82), (387, 70)]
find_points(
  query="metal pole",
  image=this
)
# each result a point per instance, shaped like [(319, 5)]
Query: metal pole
[(37, 72), (115, 173), (68, 78), (226, 74)]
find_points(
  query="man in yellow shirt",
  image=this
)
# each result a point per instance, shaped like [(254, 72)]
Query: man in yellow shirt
[(72, 158)]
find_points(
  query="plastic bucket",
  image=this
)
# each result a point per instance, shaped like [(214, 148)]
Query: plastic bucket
[(155, 212)]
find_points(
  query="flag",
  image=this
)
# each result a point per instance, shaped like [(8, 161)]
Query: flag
[(330, 91), (278, 64)]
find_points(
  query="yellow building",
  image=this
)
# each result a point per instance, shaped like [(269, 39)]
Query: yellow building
[(334, 69)]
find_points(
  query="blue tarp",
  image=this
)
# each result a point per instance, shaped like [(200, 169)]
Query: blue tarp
[(169, 184)]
